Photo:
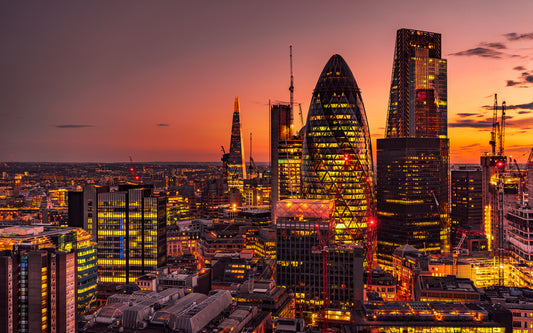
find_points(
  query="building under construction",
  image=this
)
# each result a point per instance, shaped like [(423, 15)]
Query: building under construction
[(285, 149), (520, 221), (322, 276)]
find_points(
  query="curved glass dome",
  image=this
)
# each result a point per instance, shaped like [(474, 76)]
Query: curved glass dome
[(337, 153)]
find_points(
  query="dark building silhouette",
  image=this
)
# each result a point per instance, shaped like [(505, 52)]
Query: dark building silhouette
[(413, 159), (337, 153), (410, 172), (466, 199)]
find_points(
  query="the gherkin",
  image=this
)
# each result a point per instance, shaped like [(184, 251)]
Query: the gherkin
[(337, 153)]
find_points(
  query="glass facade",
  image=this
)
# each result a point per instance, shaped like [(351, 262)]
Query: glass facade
[(337, 154), (413, 159), (87, 271), (466, 200), (301, 227), (418, 100), (131, 234), (412, 179), (236, 167)]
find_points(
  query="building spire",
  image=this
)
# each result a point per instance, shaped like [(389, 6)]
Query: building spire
[(236, 167), (237, 106)]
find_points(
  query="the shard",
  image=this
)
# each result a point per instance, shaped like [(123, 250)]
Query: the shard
[(337, 153), (236, 167)]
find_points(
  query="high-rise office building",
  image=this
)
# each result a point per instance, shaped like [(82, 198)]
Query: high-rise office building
[(131, 234), (47, 276), (302, 230), (520, 221), (128, 223), (236, 167), (337, 153), (492, 168), (418, 94), (285, 155), (413, 159), (466, 199)]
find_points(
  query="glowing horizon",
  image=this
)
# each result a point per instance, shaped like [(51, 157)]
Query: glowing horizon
[(87, 82)]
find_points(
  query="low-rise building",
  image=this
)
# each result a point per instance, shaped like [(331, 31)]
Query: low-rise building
[(446, 289), (265, 295), (415, 316)]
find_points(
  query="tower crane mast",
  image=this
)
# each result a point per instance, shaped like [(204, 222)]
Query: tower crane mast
[(502, 131), (495, 125), (291, 90)]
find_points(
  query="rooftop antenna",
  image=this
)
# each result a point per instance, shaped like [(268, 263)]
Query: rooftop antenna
[(291, 89)]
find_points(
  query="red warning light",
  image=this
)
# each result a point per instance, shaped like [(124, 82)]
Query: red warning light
[(131, 169), (346, 158), (371, 222), (499, 164), (316, 225), (136, 177)]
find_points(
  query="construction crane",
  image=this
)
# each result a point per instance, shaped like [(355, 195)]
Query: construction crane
[(291, 90), (502, 130), (301, 115), (456, 252), (521, 183), (224, 159), (134, 177), (252, 166), (495, 125)]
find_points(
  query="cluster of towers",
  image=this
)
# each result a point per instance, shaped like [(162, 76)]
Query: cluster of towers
[(409, 192), (328, 164)]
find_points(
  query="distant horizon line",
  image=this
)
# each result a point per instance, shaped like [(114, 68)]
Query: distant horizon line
[(162, 162)]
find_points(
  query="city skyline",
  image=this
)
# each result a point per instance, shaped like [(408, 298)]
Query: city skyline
[(88, 82)]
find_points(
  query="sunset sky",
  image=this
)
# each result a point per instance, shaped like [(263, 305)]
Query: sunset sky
[(97, 81)]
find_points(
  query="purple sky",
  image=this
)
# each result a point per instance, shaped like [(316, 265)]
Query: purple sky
[(100, 80)]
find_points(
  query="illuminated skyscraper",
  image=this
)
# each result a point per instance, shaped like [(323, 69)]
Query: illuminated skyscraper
[(131, 233), (337, 154), (301, 227), (286, 155), (418, 94), (47, 277), (236, 167), (412, 161)]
